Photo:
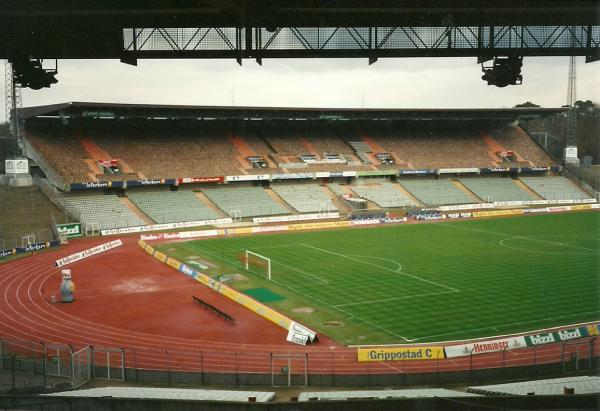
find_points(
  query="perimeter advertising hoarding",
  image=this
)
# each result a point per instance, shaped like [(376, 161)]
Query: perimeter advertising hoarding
[(71, 230), (28, 248), (559, 336), (400, 353), (482, 347)]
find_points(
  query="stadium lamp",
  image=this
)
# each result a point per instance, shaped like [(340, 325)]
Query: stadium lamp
[(29, 72), (503, 72)]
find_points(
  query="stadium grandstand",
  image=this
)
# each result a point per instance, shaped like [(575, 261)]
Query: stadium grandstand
[(137, 165)]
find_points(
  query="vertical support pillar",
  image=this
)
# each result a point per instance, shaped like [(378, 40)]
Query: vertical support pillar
[(306, 369)]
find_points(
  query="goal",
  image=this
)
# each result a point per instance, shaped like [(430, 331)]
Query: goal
[(252, 259)]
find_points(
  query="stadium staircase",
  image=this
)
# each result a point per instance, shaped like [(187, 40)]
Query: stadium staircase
[(515, 139), (134, 209), (271, 193), (309, 147), (244, 151), (209, 204), (467, 192), (408, 194), (97, 154), (376, 148), (361, 149), (528, 190), (261, 147), (336, 200)]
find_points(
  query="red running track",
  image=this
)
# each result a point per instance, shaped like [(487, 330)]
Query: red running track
[(126, 299)]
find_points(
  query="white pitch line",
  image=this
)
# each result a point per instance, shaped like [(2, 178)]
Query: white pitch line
[(404, 273), (383, 259), (405, 297), (350, 315), (516, 236)]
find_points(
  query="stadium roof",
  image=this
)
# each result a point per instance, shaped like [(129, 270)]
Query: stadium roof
[(156, 111)]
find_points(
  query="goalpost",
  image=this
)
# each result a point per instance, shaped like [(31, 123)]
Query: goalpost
[(251, 258)]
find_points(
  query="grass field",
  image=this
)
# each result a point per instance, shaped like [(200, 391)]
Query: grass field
[(423, 282)]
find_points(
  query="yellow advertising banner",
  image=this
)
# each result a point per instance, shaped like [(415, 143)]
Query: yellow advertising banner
[(160, 256), (400, 353), (174, 263), (316, 226), (581, 207), (495, 213)]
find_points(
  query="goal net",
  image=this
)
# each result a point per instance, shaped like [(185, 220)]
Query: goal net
[(257, 263)]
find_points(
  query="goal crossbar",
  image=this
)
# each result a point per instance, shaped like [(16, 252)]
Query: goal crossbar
[(262, 257)]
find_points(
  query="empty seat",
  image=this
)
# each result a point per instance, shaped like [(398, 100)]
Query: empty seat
[(104, 211), (384, 194), (171, 206), (492, 189), (436, 192), (305, 198), (244, 201), (555, 188)]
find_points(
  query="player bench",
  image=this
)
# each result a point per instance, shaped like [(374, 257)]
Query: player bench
[(214, 310)]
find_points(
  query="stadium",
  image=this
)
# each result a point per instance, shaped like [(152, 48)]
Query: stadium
[(343, 258)]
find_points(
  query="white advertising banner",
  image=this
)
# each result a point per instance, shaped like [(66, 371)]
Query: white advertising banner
[(88, 253), (248, 177), (16, 166), (161, 227), (299, 334), (296, 217), (483, 347)]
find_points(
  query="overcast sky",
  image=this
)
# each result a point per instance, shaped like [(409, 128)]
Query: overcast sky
[(398, 83)]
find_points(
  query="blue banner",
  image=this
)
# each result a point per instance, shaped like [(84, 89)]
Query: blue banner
[(535, 169), (150, 182), (29, 248), (416, 172), (96, 184), (494, 170)]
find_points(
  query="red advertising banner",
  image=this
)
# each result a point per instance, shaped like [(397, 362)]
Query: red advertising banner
[(188, 180)]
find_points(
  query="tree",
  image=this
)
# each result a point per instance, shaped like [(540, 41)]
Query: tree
[(527, 104)]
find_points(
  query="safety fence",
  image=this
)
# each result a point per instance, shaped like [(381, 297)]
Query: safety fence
[(27, 366), (41, 366)]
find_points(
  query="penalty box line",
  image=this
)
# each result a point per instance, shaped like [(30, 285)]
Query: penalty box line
[(320, 301), (401, 272)]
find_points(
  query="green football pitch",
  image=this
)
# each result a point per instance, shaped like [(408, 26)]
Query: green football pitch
[(443, 281)]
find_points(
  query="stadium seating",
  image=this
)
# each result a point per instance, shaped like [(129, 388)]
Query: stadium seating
[(491, 189), (436, 192), (384, 194), (164, 153), (337, 189), (305, 198), (24, 212), (171, 206), (103, 211), (453, 147), (284, 142), (381, 394), (63, 152), (246, 200), (555, 188), (555, 386), (515, 139), (326, 140)]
